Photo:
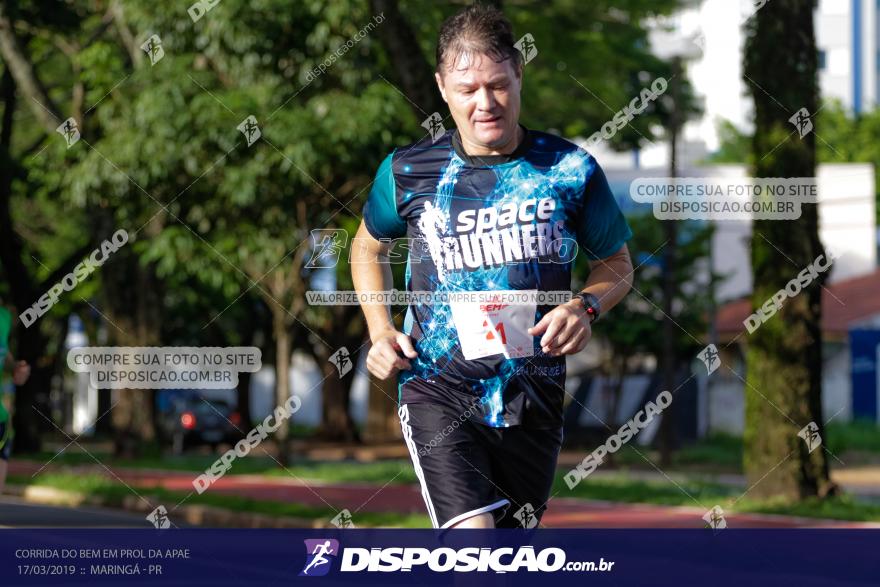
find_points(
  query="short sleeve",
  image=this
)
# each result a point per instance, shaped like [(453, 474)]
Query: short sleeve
[(601, 227), (380, 211)]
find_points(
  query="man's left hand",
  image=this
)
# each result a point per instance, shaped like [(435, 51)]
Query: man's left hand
[(566, 329)]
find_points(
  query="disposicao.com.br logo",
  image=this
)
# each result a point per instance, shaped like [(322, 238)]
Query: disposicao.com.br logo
[(318, 556), (321, 552)]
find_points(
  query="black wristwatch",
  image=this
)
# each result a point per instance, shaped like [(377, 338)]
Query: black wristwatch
[(590, 304)]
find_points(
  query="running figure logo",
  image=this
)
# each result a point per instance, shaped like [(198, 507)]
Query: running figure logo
[(342, 360), (317, 561), (343, 520), (802, 122), (526, 516), (810, 434), (69, 131), (710, 358), (715, 518), (526, 46), (159, 518), (250, 129), (434, 125), (153, 48), (327, 246)]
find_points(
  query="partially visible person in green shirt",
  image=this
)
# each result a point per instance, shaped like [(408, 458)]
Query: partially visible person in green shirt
[(5, 327), (20, 372)]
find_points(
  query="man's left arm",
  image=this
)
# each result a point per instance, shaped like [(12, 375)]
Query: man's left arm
[(567, 329)]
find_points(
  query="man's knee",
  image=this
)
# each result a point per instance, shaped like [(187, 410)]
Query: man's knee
[(480, 521)]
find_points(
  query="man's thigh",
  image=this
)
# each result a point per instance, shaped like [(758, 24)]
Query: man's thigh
[(524, 466), (451, 458)]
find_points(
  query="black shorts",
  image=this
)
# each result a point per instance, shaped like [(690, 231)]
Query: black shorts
[(466, 468), (5, 440)]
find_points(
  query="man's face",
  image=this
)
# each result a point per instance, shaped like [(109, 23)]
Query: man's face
[(483, 97)]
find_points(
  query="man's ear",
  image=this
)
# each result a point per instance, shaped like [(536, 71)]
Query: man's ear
[(439, 79)]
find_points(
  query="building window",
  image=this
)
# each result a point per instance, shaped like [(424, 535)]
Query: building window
[(821, 59)]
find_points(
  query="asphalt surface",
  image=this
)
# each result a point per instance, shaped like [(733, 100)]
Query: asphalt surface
[(16, 513)]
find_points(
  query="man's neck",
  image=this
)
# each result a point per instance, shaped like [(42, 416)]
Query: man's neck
[(477, 150)]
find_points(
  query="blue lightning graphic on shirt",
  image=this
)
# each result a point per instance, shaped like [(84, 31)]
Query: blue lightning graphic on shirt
[(515, 184)]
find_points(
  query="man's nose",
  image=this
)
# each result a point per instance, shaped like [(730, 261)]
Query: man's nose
[(485, 99)]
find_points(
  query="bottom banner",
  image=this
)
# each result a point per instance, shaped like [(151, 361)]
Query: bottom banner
[(401, 557)]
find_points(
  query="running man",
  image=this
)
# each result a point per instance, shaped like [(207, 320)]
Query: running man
[(20, 372), (320, 550), (487, 207)]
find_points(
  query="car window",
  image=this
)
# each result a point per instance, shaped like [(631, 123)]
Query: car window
[(210, 407)]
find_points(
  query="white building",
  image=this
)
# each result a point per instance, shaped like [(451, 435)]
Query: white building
[(710, 37)]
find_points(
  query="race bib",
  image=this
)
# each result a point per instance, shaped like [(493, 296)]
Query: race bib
[(496, 323)]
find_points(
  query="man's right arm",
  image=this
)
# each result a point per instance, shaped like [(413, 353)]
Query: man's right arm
[(371, 272)]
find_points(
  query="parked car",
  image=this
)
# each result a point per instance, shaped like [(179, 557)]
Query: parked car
[(193, 420)]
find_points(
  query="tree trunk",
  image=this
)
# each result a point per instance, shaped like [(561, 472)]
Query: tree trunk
[(383, 424), (26, 420), (22, 69), (243, 399), (243, 390), (783, 393), (412, 71), (343, 329), (670, 355), (336, 422), (619, 375), (281, 331), (133, 303)]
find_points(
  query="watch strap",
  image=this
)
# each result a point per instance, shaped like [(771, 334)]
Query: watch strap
[(590, 304)]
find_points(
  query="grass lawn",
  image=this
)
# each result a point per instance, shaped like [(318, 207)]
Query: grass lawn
[(706, 495), (623, 489), (858, 436), (114, 492), (396, 472), (859, 441), (714, 454)]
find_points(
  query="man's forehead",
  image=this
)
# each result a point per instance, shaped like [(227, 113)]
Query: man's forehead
[(472, 67)]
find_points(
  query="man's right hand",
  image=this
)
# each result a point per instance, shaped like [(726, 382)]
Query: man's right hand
[(383, 360)]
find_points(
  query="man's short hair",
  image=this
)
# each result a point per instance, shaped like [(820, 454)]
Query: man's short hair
[(478, 29)]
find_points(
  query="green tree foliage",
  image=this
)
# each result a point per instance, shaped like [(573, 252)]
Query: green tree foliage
[(633, 328), (735, 145), (219, 229)]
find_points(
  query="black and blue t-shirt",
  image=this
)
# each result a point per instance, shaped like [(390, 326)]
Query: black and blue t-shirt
[(488, 224)]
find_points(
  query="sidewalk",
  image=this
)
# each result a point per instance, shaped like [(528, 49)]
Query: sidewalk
[(561, 513)]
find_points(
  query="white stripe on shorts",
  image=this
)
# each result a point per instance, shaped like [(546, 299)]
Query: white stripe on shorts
[(403, 413)]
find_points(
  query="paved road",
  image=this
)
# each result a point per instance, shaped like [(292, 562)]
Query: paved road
[(16, 513)]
